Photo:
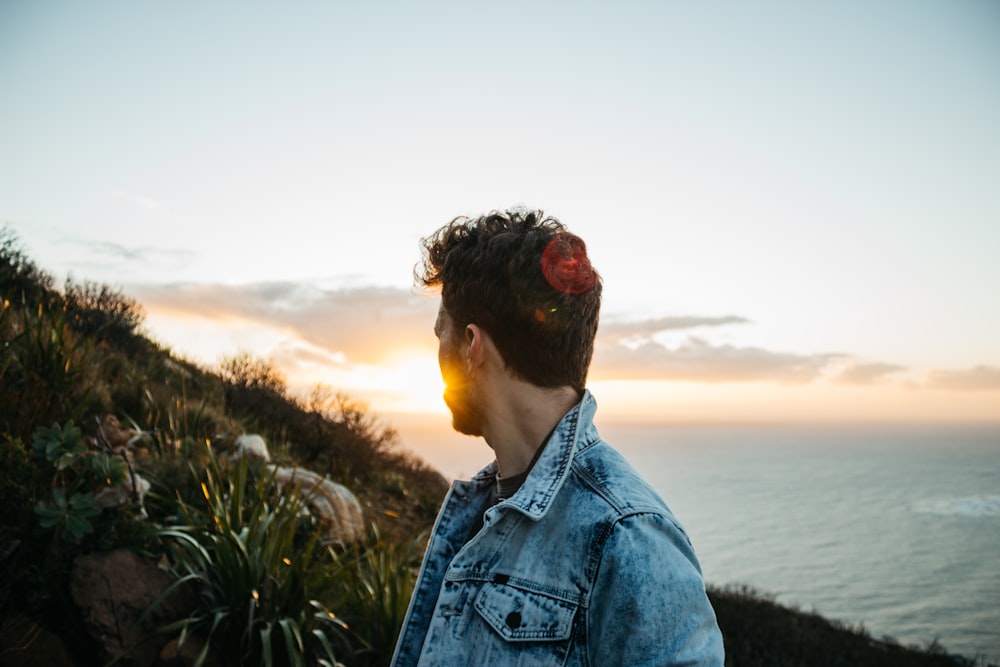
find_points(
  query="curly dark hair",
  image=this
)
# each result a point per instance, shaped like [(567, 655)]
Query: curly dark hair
[(527, 282)]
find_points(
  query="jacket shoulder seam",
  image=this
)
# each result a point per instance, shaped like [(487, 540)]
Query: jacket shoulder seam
[(622, 508)]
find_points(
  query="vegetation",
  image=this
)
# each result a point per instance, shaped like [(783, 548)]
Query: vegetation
[(263, 583), (759, 632), (89, 406)]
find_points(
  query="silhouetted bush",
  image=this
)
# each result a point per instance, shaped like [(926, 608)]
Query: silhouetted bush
[(104, 314), (20, 279), (758, 632)]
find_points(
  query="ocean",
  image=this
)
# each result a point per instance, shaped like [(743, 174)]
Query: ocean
[(897, 529), (894, 528)]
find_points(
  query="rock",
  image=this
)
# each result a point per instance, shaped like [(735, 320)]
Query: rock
[(132, 489), (333, 503), (112, 434), (185, 656), (112, 590), (250, 446), (25, 643)]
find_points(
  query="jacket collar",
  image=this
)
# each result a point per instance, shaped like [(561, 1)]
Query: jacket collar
[(572, 433)]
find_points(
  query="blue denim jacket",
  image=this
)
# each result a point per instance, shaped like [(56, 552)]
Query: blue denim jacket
[(584, 565)]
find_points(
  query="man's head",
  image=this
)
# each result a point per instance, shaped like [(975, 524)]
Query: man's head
[(526, 282)]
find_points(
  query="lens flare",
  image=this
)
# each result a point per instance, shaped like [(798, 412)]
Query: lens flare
[(566, 266)]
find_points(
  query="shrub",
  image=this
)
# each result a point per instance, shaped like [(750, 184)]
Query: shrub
[(78, 358), (20, 279), (379, 581), (251, 373), (43, 369), (266, 582), (50, 513), (105, 314), (759, 631)]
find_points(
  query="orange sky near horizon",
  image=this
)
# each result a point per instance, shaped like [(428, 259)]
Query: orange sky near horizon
[(405, 380)]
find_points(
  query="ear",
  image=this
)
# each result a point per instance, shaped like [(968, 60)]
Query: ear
[(474, 351)]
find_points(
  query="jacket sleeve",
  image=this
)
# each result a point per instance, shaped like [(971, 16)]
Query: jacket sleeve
[(648, 605)]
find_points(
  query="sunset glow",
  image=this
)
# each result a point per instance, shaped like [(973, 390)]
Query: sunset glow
[(793, 209), (409, 381)]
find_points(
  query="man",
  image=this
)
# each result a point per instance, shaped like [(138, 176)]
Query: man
[(557, 553)]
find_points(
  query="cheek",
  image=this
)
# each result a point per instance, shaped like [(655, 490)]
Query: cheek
[(445, 362), (452, 371)]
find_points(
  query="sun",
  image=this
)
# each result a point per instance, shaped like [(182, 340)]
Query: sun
[(410, 382)]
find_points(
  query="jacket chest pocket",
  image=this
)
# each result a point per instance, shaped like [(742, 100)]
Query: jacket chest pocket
[(519, 615), (491, 623)]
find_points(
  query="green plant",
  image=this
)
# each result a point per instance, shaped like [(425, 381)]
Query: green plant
[(53, 507), (177, 437), (21, 477), (43, 370), (75, 358), (380, 579), (72, 504), (78, 478), (57, 445), (72, 515), (265, 580), (6, 356), (170, 429)]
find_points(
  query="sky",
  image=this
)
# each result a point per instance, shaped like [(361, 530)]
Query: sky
[(794, 206)]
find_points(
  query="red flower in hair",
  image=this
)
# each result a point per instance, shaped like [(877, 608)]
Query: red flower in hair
[(566, 266)]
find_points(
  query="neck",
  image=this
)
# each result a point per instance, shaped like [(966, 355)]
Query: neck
[(520, 418)]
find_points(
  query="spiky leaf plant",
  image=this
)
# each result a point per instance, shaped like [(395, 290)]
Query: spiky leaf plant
[(265, 586), (380, 578)]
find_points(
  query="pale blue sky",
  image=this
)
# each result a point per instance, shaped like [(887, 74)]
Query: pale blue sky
[(828, 173)]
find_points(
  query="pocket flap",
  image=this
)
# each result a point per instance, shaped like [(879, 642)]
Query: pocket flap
[(520, 615)]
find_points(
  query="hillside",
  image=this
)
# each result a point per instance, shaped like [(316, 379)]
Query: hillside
[(89, 404)]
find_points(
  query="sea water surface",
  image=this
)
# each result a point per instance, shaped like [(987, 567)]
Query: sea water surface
[(896, 528)]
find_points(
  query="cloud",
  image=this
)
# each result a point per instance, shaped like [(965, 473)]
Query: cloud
[(111, 250), (369, 324), (976, 378), (629, 351), (350, 326), (145, 202), (365, 324), (104, 255), (645, 328), (292, 354), (867, 373), (698, 361)]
